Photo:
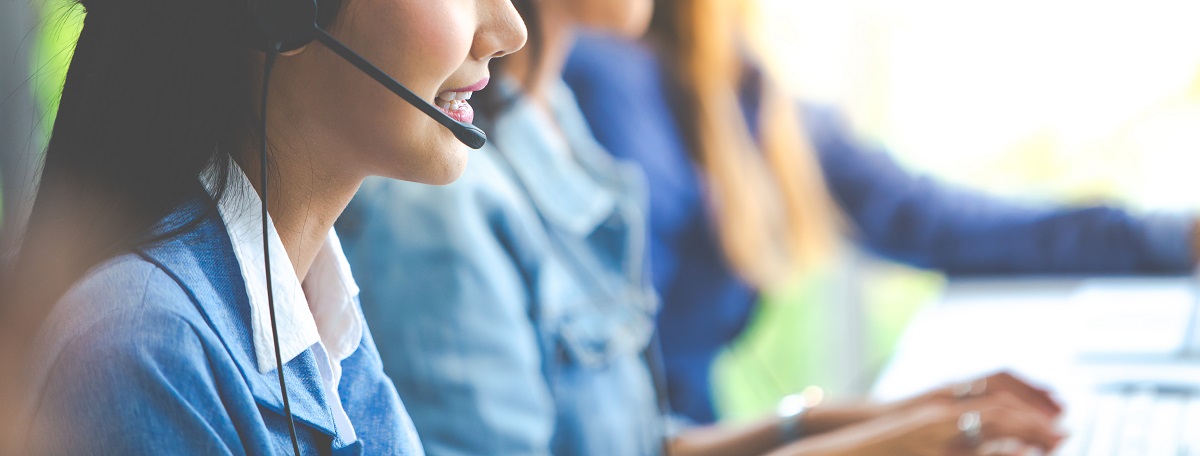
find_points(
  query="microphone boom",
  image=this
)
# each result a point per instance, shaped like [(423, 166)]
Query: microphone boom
[(470, 135)]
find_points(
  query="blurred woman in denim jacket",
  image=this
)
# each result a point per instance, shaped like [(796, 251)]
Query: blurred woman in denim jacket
[(513, 309), (514, 306)]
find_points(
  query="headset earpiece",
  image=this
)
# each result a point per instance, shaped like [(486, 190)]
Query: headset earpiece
[(284, 25)]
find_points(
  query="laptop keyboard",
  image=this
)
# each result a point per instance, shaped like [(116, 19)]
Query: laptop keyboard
[(1137, 420)]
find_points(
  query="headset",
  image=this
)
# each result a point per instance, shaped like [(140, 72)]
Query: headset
[(280, 26)]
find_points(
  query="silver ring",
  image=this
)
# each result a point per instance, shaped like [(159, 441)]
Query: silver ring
[(970, 424)]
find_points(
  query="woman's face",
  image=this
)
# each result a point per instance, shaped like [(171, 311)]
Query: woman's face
[(626, 17), (439, 49)]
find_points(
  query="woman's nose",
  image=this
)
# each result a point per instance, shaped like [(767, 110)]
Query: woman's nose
[(501, 30)]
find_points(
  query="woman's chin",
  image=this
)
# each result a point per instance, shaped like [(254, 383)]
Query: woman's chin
[(439, 160), (446, 169), (447, 179)]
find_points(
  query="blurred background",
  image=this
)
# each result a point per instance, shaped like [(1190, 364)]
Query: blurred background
[(1055, 100), (1052, 100)]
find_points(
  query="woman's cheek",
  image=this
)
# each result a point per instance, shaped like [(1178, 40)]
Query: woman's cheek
[(442, 37)]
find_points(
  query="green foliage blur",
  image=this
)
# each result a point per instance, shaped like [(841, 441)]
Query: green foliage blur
[(792, 340)]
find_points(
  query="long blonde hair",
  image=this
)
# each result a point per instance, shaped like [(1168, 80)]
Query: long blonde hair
[(773, 213)]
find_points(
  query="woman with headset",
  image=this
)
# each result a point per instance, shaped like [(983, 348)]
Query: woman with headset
[(170, 314), (514, 312)]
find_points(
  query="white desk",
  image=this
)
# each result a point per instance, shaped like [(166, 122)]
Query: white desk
[(1041, 329)]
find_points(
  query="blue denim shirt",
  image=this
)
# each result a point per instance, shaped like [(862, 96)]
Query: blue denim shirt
[(151, 354), (511, 307)]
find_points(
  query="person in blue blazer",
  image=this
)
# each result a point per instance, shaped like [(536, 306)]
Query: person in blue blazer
[(669, 101), (141, 295)]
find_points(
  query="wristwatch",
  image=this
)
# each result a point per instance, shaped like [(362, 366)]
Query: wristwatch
[(791, 410)]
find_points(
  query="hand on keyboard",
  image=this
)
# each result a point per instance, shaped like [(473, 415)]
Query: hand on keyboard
[(935, 429), (1000, 382)]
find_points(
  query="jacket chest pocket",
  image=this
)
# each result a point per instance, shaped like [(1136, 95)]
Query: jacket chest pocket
[(589, 326), (592, 354)]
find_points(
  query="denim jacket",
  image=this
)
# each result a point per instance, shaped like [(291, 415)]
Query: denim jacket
[(512, 307), (150, 353)]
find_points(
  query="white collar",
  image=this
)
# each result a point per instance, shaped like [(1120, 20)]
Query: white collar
[(321, 310)]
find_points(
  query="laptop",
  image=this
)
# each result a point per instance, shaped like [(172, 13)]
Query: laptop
[(1149, 320), (1137, 419), (1140, 345)]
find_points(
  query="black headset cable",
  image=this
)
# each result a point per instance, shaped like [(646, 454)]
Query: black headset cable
[(268, 64)]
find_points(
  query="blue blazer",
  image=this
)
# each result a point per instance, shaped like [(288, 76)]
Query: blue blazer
[(150, 353)]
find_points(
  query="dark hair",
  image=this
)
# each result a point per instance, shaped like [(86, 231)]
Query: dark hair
[(491, 102), (155, 92)]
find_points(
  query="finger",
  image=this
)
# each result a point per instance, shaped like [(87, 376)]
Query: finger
[(1022, 423), (1003, 447), (1037, 397)]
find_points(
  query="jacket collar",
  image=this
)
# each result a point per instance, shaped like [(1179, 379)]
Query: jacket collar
[(203, 263), (580, 189), (331, 317), (573, 182)]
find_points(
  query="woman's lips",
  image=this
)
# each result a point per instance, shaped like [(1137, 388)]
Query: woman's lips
[(473, 87), (454, 102), (458, 110)]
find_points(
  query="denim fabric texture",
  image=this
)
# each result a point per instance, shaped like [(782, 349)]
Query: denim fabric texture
[(511, 307), (150, 353), (895, 212)]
